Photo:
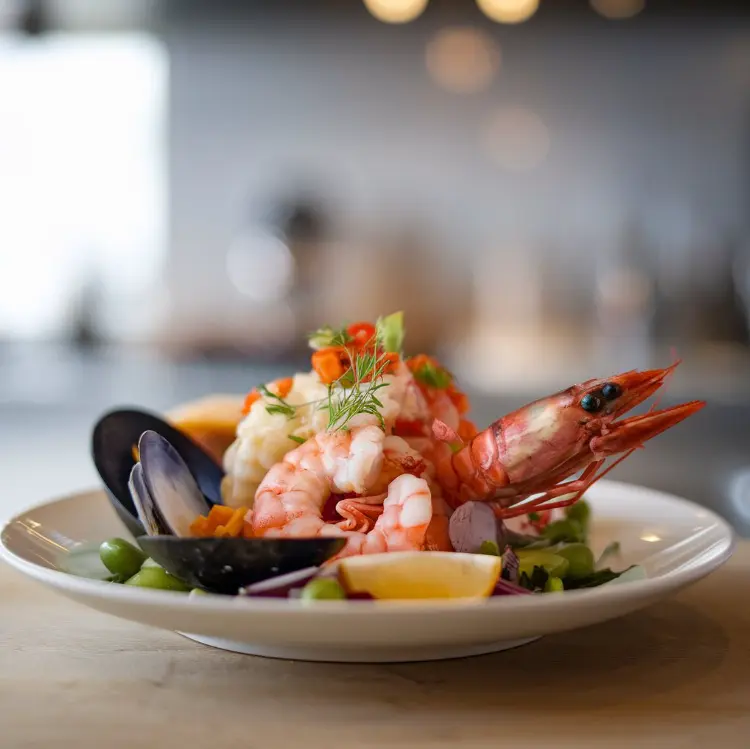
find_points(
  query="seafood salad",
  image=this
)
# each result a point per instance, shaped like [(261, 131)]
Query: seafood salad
[(365, 478)]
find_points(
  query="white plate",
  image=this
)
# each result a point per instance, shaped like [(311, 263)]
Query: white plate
[(675, 541)]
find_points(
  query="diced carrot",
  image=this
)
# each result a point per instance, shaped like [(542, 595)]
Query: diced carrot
[(328, 364), (247, 530), (250, 398), (199, 527), (219, 515), (284, 386), (234, 526), (221, 522)]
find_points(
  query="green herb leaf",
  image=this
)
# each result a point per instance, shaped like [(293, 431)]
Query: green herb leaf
[(594, 579), (298, 440), (279, 405), (283, 410), (432, 376), (565, 531), (328, 336), (390, 332), (533, 517)]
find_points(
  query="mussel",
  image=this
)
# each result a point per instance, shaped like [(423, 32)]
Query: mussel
[(163, 495), (164, 492), (114, 439), (226, 565)]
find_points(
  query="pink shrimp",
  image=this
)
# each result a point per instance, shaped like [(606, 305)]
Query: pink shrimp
[(403, 524), (387, 512), (399, 457)]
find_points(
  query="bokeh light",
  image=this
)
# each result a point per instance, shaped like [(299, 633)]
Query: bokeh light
[(462, 60), (516, 138), (624, 293), (618, 9), (260, 266), (396, 11), (508, 11), (736, 61)]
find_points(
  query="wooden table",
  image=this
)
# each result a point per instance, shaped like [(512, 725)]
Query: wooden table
[(674, 675)]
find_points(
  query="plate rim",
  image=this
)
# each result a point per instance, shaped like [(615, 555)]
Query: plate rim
[(217, 604)]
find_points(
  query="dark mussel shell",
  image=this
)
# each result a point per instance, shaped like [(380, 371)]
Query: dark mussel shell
[(165, 494), (224, 565), (113, 438), (147, 513)]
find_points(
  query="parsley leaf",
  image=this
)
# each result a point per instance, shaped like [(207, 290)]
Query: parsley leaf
[(433, 376)]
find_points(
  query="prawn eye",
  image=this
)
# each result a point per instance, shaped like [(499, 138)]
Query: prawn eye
[(591, 403), (610, 391)]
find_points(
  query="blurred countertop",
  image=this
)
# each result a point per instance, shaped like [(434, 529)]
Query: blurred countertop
[(50, 398)]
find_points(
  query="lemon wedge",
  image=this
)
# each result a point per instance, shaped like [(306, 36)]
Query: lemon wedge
[(421, 574)]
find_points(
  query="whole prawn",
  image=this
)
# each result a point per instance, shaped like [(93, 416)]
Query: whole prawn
[(387, 505), (520, 463)]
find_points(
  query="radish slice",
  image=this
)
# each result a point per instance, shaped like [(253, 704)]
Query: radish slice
[(281, 585), (471, 525)]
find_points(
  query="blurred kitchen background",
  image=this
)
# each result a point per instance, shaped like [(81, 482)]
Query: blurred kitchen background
[(552, 190)]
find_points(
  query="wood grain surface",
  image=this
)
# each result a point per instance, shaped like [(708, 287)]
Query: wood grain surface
[(674, 675)]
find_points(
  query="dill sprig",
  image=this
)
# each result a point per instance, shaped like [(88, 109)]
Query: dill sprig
[(357, 390), (279, 405)]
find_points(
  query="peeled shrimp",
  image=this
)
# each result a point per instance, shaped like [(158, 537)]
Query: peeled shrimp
[(400, 456), (389, 512)]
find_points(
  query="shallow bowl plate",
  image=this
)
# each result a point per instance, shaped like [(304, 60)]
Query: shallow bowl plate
[(676, 542)]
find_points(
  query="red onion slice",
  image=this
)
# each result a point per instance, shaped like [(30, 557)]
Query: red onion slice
[(281, 585), (505, 588)]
